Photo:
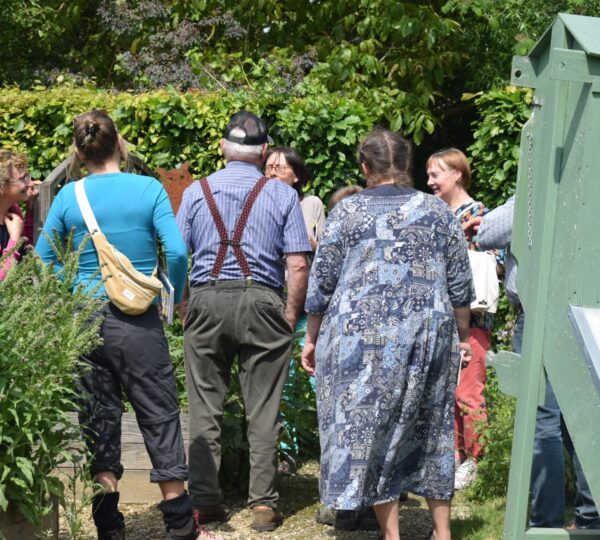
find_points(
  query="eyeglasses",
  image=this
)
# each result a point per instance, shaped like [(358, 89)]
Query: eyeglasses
[(279, 169), (25, 179)]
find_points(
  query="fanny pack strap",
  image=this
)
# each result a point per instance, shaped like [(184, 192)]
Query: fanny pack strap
[(86, 209)]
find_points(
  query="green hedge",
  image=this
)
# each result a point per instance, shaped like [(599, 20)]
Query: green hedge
[(166, 127), (494, 153)]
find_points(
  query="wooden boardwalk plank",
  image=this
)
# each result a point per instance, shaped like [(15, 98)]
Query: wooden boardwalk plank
[(135, 486)]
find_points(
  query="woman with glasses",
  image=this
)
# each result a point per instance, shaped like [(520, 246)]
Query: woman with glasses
[(16, 187), (285, 164)]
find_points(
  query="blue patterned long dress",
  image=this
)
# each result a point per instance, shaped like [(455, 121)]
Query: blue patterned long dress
[(391, 265)]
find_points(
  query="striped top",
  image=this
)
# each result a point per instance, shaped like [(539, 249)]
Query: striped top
[(464, 213), (275, 226)]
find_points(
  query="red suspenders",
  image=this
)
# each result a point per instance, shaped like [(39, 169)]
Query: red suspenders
[(239, 228)]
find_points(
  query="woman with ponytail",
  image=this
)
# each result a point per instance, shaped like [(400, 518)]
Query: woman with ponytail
[(132, 211)]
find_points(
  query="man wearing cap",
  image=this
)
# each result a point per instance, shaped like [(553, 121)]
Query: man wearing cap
[(243, 231)]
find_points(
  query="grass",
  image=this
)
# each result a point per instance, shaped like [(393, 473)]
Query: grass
[(475, 520)]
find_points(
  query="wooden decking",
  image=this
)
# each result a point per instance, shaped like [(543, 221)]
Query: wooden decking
[(135, 486)]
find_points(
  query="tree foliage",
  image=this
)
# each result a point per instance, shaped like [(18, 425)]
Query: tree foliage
[(494, 153), (393, 56), (495, 31)]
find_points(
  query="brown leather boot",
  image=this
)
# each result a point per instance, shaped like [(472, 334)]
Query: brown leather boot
[(208, 513), (265, 518)]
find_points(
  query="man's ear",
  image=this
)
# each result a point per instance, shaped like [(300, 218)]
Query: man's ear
[(263, 155)]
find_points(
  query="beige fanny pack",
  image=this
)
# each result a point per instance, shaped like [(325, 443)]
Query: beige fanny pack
[(127, 288)]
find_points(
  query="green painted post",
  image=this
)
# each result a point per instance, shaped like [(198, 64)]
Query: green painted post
[(556, 240)]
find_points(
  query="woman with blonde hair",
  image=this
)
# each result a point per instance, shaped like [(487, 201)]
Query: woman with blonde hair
[(449, 178), (388, 304), (132, 211), (16, 186)]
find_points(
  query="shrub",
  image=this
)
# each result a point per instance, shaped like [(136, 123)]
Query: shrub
[(44, 329), (495, 151)]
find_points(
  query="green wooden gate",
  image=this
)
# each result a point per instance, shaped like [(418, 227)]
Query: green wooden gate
[(556, 240)]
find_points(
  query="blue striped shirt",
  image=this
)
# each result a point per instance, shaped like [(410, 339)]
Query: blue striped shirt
[(275, 226)]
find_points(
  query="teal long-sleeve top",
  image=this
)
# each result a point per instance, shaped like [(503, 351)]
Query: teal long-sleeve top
[(131, 211)]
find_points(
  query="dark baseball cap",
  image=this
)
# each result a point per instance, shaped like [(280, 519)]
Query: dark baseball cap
[(254, 128)]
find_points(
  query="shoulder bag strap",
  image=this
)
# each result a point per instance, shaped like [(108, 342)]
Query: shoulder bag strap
[(86, 209)]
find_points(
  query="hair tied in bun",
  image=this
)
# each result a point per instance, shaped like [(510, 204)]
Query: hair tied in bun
[(90, 129)]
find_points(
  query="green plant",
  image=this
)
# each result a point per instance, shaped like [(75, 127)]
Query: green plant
[(298, 406), (44, 328), (492, 472), (174, 333), (495, 151), (492, 32), (79, 492)]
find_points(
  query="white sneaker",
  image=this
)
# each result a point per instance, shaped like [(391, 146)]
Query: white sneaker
[(203, 533), (465, 474)]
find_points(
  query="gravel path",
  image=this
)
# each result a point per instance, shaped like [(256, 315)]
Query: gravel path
[(298, 502)]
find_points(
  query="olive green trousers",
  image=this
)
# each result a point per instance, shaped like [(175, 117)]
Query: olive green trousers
[(228, 320)]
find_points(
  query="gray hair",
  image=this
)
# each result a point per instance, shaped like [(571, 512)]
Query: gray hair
[(244, 152)]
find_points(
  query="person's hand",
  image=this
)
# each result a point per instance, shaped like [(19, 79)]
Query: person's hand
[(291, 318), (14, 225), (181, 308), (466, 353), (33, 190), (471, 227), (308, 358)]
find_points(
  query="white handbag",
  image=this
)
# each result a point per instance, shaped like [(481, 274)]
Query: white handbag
[(485, 279)]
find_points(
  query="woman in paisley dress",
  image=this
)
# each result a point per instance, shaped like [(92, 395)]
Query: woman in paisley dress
[(449, 178), (388, 304)]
